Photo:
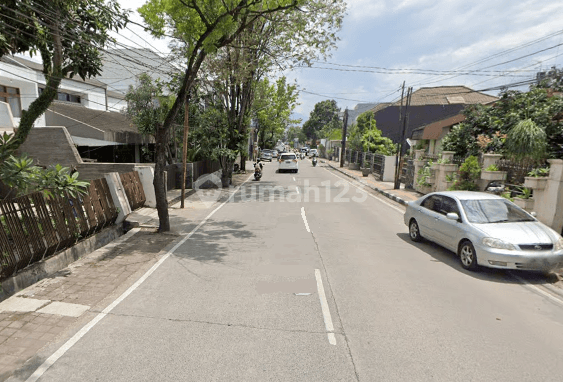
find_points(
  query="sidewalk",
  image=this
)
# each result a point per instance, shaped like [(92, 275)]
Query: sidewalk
[(401, 196), (39, 319)]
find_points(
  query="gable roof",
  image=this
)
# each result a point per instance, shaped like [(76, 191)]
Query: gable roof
[(434, 130), (447, 95), (380, 106)]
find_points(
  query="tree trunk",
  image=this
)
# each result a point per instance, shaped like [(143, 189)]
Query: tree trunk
[(158, 182), (227, 173), (243, 161)]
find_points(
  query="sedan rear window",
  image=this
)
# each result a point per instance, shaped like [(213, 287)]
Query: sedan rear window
[(288, 157), (493, 211)]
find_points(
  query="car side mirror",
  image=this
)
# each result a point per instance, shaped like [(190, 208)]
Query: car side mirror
[(452, 216)]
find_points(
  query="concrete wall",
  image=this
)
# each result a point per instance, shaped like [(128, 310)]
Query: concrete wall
[(51, 145), (28, 88), (116, 104), (6, 119), (74, 127), (89, 171)]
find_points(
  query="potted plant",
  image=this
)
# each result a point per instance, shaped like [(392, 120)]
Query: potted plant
[(422, 180), (493, 173), (365, 171), (446, 164), (537, 178), (524, 199)]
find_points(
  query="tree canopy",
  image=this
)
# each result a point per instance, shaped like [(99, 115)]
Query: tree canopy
[(324, 117), (486, 127), (274, 105)]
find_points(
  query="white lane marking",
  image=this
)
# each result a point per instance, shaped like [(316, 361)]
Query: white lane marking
[(297, 189), (305, 219), (544, 293), (373, 196), (331, 339), (324, 306), (65, 347), (294, 179)]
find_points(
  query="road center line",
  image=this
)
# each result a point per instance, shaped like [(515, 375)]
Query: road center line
[(294, 179), (85, 329), (305, 219), (324, 307), (297, 189)]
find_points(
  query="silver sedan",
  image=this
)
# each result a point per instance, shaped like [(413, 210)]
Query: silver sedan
[(485, 229)]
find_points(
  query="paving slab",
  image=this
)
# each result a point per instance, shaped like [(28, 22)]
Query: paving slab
[(18, 304), (64, 309)]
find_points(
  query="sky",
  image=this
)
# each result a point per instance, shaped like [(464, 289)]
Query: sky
[(383, 42)]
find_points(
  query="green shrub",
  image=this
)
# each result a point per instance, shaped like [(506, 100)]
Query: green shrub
[(492, 167), (539, 172), (469, 174)]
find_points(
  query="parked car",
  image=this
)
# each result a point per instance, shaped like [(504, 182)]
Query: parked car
[(266, 155), (485, 229), (313, 152), (275, 153), (288, 162)]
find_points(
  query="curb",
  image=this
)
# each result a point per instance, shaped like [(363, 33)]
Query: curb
[(383, 192)]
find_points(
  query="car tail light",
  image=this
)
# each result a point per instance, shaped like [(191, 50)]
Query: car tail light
[(295, 160)]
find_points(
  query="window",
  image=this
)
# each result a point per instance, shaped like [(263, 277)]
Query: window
[(65, 96), (449, 205), (12, 97), (432, 203)]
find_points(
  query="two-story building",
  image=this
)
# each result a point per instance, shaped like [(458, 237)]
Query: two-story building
[(89, 112)]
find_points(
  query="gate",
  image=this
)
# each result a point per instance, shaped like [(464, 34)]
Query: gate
[(378, 166)]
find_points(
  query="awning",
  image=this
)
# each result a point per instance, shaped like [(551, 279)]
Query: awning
[(91, 142)]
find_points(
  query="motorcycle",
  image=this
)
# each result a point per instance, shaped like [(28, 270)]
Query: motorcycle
[(314, 161), (257, 170)]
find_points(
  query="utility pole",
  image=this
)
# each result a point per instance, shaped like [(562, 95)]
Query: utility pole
[(344, 128), (401, 142), (185, 150)]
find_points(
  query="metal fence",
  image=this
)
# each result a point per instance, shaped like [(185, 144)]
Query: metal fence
[(34, 227), (516, 171)]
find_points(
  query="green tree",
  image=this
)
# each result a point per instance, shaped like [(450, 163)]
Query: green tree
[(203, 26), (147, 106), (526, 140), (486, 126), (295, 132), (274, 105), (68, 35), (323, 116)]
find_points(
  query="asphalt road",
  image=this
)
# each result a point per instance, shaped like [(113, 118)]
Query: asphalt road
[(242, 300)]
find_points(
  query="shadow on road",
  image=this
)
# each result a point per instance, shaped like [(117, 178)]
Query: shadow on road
[(211, 243), (451, 259)]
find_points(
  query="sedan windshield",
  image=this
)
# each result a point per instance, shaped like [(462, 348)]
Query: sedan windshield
[(483, 211)]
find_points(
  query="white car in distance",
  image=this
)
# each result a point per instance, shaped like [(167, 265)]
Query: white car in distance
[(288, 162)]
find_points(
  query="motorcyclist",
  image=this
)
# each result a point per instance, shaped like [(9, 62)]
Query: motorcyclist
[(258, 165), (314, 160)]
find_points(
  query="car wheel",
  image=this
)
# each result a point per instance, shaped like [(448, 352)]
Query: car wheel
[(467, 256), (414, 231)]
